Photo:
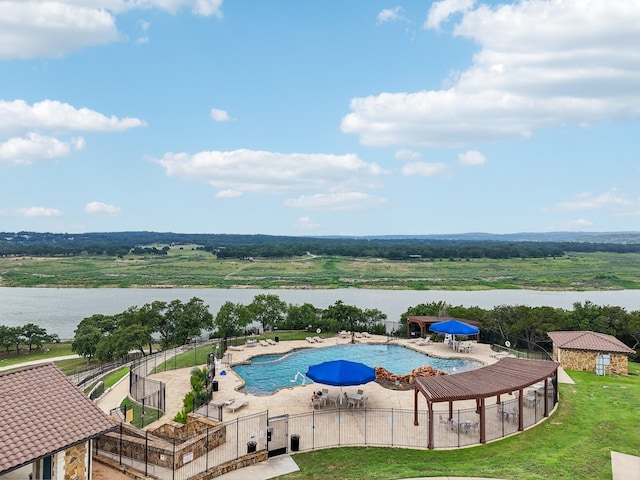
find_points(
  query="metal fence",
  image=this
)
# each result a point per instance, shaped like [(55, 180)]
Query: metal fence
[(163, 457), (215, 446)]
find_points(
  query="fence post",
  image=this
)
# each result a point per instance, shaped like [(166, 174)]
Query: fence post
[(146, 453), (125, 414)]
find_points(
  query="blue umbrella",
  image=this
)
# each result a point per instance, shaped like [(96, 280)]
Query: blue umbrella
[(341, 373), (454, 327)]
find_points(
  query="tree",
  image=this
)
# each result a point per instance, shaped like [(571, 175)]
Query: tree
[(181, 322), (36, 335), (343, 315), (231, 319), (90, 332), (268, 309), (126, 338), (299, 316), (8, 337), (85, 342)]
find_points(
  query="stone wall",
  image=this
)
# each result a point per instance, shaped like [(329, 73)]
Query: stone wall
[(74, 462), (160, 451), (585, 360)]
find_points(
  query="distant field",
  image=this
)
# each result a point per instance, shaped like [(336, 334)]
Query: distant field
[(188, 267)]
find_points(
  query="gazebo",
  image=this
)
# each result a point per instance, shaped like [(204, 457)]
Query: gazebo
[(506, 376), (424, 322)]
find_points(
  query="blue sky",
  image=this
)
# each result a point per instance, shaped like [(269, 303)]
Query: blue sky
[(319, 118)]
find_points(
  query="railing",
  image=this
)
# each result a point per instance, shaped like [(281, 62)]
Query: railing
[(216, 446)]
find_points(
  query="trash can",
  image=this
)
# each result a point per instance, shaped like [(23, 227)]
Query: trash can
[(251, 447), (276, 338), (295, 442), (214, 385)]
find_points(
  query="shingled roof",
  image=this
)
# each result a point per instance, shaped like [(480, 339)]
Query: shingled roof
[(587, 340), (42, 412)]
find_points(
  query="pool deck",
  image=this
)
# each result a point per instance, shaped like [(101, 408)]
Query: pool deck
[(297, 399)]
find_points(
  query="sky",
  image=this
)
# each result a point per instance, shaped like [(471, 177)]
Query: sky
[(310, 118)]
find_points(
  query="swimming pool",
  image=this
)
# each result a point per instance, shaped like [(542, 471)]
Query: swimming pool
[(268, 373)]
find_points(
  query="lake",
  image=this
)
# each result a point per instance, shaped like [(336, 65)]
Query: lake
[(59, 310)]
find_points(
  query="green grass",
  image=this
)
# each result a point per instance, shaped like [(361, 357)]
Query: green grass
[(48, 350), (113, 378), (595, 416), (150, 415), (196, 268)]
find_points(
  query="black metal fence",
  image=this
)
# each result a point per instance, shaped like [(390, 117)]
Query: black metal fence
[(161, 456), (215, 446)]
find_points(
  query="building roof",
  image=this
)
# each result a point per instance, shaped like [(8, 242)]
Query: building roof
[(43, 412), (507, 375), (587, 340)]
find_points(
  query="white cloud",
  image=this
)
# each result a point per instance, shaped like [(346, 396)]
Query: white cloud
[(34, 147), (471, 158), (53, 28), (441, 11), (230, 193), (274, 173), (390, 15), (347, 201), (306, 223), (30, 29), (18, 116), (40, 212), (406, 154), (425, 169), (541, 63), (220, 115), (99, 208), (614, 203)]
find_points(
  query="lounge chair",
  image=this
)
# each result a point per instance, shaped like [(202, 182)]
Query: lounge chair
[(343, 334), (310, 340), (233, 347), (271, 342), (237, 405), (264, 343), (423, 341), (318, 339)]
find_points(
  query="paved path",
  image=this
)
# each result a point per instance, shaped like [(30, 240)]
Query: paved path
[(37, 362)]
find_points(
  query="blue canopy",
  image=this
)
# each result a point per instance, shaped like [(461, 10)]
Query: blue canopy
[(341, 373), (454, 327)]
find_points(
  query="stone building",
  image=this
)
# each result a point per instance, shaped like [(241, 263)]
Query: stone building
[(48, 423), (590, 351)]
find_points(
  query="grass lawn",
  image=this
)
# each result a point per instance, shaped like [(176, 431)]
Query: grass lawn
[(48, 350), (140, 420), (595, 416)]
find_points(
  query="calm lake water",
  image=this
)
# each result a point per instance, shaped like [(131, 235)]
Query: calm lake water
[(59, 310)]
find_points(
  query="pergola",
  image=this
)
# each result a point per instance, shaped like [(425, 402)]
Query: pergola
[(508, 375), (424, 322)]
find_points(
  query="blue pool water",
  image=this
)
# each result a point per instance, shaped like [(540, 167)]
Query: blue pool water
[(269, 373)]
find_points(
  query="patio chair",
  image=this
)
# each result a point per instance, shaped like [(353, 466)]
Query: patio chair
[(360, 391), (264, 343), (333, 399), (352, 402), (316, 403), (364, 402), (271, 342), (318, 339), (237, 405), (310, 340)]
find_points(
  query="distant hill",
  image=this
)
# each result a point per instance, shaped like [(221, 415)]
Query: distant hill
[(591, 237), (393, 247)]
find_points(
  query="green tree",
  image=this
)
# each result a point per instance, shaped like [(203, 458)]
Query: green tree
[(181, 322), (300, 316), (36, 335), (231, 319), (85, 342), (268, 309), (345, 316), (9, 336)]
